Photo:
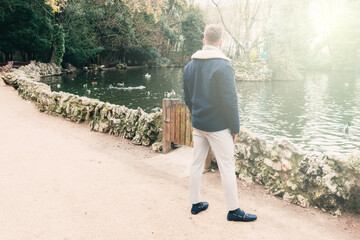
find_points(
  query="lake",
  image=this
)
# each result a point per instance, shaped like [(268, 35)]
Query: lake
[(312, 113)]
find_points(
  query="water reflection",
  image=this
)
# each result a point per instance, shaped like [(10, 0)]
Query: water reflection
[(312, 113)]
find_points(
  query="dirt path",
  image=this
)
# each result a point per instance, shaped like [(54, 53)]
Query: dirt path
[(59, 180)]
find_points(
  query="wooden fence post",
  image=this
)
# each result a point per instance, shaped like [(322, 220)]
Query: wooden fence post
[(169, 110), (166, 126)]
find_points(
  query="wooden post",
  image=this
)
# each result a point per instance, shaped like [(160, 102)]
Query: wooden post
[(166, 126), (169, 111), (177, 123), (183, 125), (172, 121)]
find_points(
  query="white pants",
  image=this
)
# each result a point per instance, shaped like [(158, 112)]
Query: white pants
[(222, 144)]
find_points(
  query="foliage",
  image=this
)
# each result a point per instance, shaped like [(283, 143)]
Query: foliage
[(253, 55), (303, 34), (192, 30), (153, 8), (56, 5), (107, 30), (140, 56), (152, 32), (287, 38), (81, 44), (103, 31), (26, 36)]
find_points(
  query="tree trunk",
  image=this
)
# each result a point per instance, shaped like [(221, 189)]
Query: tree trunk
[(124, 56), (7, 56), (52, 59)]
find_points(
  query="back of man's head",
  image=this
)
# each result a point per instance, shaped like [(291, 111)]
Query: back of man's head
[(213, 34)]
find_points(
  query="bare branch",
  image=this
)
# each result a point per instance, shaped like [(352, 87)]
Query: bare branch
[(256, 42), (256, 11), (174, 24), (227, 30)]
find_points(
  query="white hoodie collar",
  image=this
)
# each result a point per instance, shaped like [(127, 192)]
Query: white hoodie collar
[(210, 52)]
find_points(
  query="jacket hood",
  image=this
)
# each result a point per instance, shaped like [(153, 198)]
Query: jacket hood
[(210, 52)]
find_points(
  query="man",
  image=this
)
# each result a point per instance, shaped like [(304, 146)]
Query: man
[(210, 94)]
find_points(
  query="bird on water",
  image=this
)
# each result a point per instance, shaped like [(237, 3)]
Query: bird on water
[(147, 76), (347, 128)]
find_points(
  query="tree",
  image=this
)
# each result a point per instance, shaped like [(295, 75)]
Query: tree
[(28, 35), (192, 30), (153, 8), (245, 23), (102, 31), (58, 36), (287, 38), (81, 40)]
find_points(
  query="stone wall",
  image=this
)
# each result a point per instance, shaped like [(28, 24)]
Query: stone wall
[(330, 181), (135, 124), (252, 71), (39, 69)]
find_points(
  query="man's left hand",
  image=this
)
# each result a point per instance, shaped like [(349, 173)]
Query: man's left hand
[(234, 137)]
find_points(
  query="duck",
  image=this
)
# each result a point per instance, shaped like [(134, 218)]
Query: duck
[(122, 84), (156, 109), (88, 91), (85, 85), (147, 76), (166, 94), (347, 128)]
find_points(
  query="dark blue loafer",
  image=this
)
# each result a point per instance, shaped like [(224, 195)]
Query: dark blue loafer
[(239, 215), (201, 206)]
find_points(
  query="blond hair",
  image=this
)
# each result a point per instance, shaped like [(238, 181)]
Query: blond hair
[(213, 33)]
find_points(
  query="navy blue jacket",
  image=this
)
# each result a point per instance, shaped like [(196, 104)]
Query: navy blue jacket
[(210, 94)]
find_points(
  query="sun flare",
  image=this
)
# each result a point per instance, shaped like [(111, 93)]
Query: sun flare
[(324, 15)]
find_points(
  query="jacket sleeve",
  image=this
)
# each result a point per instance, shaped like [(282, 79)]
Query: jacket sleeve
[(228, 98), (187, 97)]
